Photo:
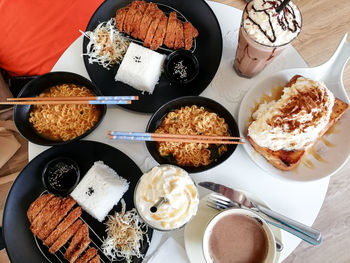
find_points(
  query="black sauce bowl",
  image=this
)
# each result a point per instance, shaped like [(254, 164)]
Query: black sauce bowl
[(209, 105), (37, 86), (190, 61), (72, 175)]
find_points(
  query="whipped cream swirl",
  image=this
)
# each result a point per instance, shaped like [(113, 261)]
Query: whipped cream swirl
[(295, 121), (265, 25), (180, 193)]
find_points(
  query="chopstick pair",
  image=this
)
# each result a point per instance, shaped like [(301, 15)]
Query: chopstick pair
[(161, 137), (70, 100)]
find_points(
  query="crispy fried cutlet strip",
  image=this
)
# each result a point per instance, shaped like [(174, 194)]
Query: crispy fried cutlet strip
[(35, 207), (80, 247), (135, 25), (130, 17), (95, 259), (190, 32), (146, 20), (287, 160), (45, 215), (179, 38), (63, 239), (120, 17), (171, 30), (67, 222), (82, 233), (158, 38), (152, 28), (66, 205), (89, 254)]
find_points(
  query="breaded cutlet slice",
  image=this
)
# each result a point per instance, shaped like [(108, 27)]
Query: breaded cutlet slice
[(190, 32), (45, 215), (153, 27), (135, 25), (89, 254), (63, 239), (95, 259), (129, 17), (120, 17), (35, 207), (159, 35), (287, 160), (82, 233), (179, 37), (147, 20), (171, 30), (79, 249), (67, 222), (66, 205)]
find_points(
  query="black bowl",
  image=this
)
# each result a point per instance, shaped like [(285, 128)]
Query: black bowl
[(209, 105), (67, 174), (37, 86)]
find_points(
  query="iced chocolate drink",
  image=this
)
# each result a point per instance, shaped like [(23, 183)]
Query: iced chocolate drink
[(264, 34)]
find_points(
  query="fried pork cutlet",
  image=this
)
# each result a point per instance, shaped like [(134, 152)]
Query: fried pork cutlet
[(146, 20), (82, 233), (66, 205), (45, 215), (152, 28), (63, 239), (67, 222), (135, 25), (120, 17), (95, 259), (35, 207), (171, 30), (89, 254), (130, 17), (190, 32), (80, 247), (160, 33), (179, 38)]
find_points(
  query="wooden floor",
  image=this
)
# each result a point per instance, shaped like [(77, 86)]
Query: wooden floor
[(324, 24)]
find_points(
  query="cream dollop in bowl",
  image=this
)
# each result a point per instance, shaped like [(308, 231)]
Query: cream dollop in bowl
[(178, 190)]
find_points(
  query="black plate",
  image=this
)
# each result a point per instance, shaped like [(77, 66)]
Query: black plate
[(37, 86), (209, 105), (208, 52), (20, 242)]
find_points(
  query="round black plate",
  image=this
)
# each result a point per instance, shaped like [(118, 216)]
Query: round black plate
[(211, 106), (208, 52), (19, 240)]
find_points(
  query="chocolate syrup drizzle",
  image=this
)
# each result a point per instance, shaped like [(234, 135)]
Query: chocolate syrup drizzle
[(282, 19)]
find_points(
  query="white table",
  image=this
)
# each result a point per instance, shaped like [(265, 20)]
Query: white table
[(299, 200)]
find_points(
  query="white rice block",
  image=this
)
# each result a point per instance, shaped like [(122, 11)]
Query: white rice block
[(140, 68), (99, 190)]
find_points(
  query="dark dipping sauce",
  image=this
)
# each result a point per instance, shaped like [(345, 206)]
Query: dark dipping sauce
[(61, 175), (238, 238), (181, 67)]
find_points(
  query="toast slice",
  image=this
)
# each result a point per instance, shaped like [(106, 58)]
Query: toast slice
[(286, 160)]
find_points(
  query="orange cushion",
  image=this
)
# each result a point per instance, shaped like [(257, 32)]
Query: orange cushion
[(35, 33)]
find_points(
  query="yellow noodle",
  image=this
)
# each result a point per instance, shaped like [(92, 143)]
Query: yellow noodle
[(192, 120), (67, 121)]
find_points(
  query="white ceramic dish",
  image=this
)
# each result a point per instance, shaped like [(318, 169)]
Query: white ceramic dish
[(194, 230), (331, 152)]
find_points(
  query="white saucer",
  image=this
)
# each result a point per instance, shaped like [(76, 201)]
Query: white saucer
[(194, 230)]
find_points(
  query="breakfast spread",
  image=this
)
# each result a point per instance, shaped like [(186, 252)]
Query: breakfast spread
[(283, 130), (264, 34), (176, 187)]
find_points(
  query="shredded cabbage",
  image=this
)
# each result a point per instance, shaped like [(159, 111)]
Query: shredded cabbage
[(125, 232), (107, 46)]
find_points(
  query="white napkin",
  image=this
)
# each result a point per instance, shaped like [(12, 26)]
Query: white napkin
[(169, 252)]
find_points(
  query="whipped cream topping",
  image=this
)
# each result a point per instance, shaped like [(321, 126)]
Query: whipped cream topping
[(180, 193), (294, 121), (268, 27)]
